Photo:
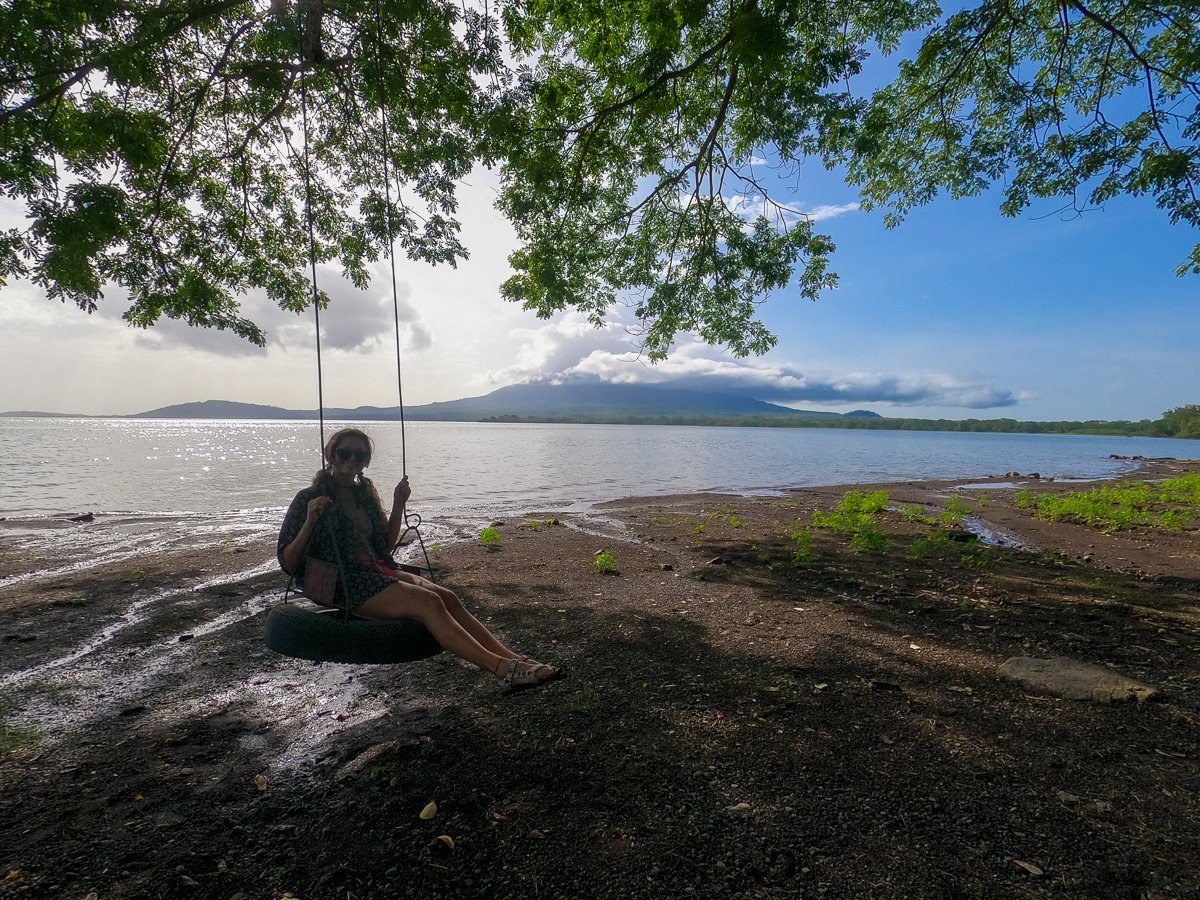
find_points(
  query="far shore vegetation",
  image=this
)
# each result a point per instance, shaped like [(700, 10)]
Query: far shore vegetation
[(1182, 422)]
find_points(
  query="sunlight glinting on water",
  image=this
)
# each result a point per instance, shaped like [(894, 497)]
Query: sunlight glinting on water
[(214, 475)]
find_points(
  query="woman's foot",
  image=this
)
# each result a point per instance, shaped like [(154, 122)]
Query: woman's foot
[(523, 673)]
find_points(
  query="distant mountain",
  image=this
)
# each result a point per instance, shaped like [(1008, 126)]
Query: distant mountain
[(592, 400), (588, 401), (223, 409)]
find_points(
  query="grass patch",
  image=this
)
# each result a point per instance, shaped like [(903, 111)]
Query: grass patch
[(604, 563), (490, 538), (855, 516), (1172, 504)]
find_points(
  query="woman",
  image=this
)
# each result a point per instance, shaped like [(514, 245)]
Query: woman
[(340, 519)]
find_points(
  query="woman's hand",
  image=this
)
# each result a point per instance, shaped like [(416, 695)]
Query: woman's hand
[(402, 493), (317, 507)]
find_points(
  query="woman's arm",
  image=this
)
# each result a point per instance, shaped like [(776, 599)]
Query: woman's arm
[(396, 521), (298, 527)]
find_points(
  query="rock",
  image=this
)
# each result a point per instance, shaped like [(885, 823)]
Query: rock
[(962, 537), (1012, 474), (666, 567), (717, 561), (86, 517), (1033, 475), (1074, 680)]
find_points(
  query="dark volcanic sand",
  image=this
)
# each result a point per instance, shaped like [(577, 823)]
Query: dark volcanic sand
[(741, 728)]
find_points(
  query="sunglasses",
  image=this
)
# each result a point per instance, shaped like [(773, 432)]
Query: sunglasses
[(344, 453)]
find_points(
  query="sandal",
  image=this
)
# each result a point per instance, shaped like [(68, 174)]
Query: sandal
[(518, 679)]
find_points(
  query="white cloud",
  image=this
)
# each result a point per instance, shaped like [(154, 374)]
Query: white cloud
[(567, 349), (357, 321), (751, 206)]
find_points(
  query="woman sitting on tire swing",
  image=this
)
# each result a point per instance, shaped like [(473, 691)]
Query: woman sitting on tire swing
[(358, 534)]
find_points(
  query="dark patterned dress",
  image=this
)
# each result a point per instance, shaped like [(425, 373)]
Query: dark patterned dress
[(336, 534)]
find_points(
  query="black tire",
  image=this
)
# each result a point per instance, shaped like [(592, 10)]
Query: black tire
[(322, 635)]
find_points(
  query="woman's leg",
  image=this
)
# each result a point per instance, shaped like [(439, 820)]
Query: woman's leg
[(472, 625), (410, 601)]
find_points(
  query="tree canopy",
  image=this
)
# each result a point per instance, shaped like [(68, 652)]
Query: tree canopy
[(176, 148)]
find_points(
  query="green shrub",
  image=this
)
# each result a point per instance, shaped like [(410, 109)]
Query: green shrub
[(855, 516), (804, 552), (916, 515), (871, 537), (490, 538), (604, 562), (956, 510)]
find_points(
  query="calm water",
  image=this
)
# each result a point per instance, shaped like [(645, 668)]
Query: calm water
[(232, 478)]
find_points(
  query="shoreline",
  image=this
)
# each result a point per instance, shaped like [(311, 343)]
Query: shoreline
[(732, 723)]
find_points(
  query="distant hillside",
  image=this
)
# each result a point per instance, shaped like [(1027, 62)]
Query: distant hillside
[(594, 401), (224, 409), (645, 404)]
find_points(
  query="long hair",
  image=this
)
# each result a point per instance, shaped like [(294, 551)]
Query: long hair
[(364, 489)]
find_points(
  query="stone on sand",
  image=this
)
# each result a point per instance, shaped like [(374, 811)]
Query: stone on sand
[(1074, 680)]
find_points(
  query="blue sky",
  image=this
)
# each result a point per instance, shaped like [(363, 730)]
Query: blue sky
[(957, 313)]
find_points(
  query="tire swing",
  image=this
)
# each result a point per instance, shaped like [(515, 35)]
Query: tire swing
[(335, 634)]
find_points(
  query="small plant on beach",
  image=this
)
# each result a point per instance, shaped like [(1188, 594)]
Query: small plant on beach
[(956, 510), (699, 529), (871, 537), (604, 563), (916, 515), (490, 538), (935, 541), (804, 555), (977, 556), (584, 701), (534, 524), (138, 573), (855, 516), (735, 522)]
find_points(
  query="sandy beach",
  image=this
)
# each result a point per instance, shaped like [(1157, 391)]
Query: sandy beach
[(733, 724)]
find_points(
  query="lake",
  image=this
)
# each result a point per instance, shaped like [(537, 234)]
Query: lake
[(221, 480)]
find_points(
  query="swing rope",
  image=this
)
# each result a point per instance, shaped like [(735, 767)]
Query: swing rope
[(301, 633), (312, 246), (412, 521)]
